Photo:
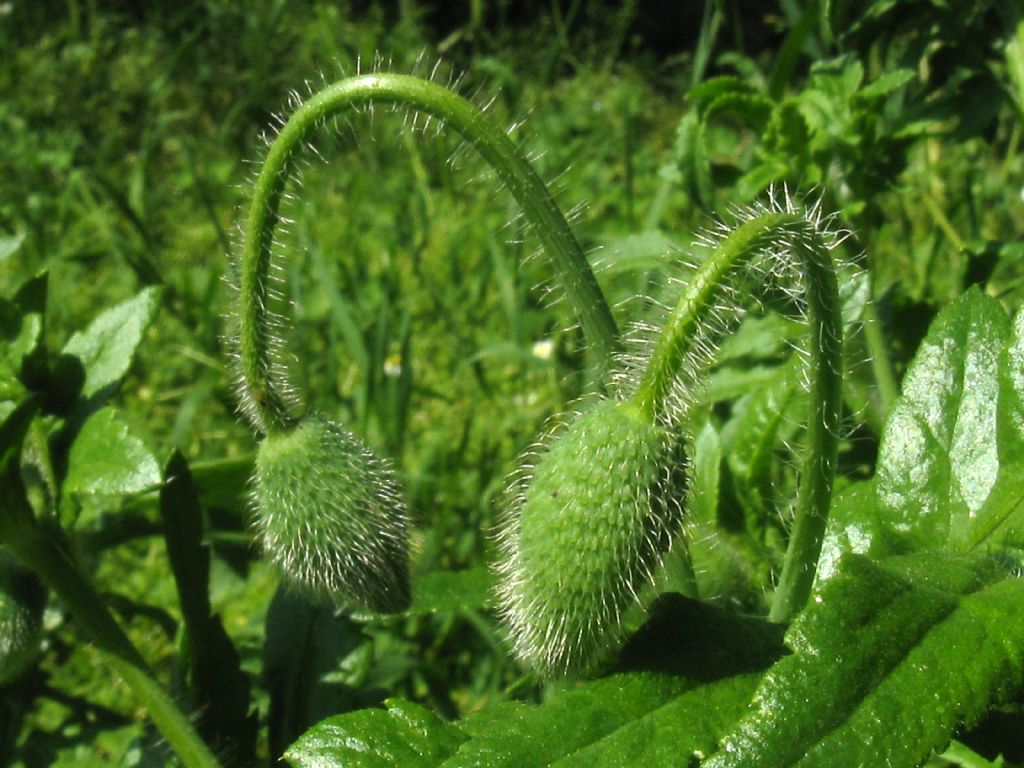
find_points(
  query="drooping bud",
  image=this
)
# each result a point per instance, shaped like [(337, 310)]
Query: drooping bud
[(589, 527), (329, 516)]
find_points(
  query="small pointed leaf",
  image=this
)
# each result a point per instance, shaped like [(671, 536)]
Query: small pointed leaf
[(107, 346), (9, 245), (220, 689), (107, 459)]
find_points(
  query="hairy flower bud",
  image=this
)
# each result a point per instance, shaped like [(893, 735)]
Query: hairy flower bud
[(329, 516), (590, 525)]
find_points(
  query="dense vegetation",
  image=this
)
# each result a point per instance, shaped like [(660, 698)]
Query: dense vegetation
[(422, 312)]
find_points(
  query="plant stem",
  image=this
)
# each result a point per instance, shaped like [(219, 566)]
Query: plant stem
[(881, 360), (263, 389), (47, 553), (762, 236)]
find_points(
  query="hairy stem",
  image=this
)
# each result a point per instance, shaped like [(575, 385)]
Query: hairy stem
[(767, 233), (262, 389)]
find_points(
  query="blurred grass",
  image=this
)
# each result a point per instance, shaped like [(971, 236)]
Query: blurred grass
[(130, 135)]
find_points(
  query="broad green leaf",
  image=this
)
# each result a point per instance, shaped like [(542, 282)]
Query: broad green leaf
[(106, 348), (524, 736), (666, 674), (107, 459), (938, 459), (219, 688), (675, 691), (655, 728), (628, 719), (889, 660), (1000, 521), (852, 527), (405, 734), (687, 725), (1010, 408)]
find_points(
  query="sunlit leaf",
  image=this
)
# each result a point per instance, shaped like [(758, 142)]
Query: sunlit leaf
[(107, 459), (888, 660), (106, 348), (938, 455)]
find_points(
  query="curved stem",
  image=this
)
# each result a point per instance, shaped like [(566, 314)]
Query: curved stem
[(261, 389), (769, 232)]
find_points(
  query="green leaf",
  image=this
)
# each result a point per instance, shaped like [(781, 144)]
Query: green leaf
[(707, 474), (752, 110), (688, 724), (219, 688), (22, 324), (304, 648), (9, 245), (627, 719), (16, 515), (1010, 407), (405, 734), (19, 334), (106, 348), (886, 83), (107, 459), (674, 691), (692, 159), (22, 600), (703, 94), (889, 659), (852, 527), (667, 676), (754, 434), (1000, 521), (937, 459), (449, 591)]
